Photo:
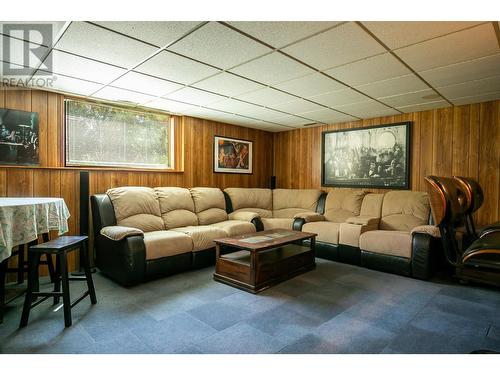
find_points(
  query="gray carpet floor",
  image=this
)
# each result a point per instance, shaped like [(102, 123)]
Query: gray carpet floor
[(337, 308)]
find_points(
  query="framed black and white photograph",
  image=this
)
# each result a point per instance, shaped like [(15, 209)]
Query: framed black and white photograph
[(232, 155), (18, 137), (370, 157)]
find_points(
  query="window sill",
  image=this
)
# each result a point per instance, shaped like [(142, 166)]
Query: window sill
[(99, 169)]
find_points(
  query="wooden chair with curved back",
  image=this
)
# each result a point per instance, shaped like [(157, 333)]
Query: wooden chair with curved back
[(451, 203)]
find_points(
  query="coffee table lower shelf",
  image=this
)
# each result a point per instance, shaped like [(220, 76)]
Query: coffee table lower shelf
[(256, 271)]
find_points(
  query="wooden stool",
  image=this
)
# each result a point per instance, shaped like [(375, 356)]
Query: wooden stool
[(60, 247)]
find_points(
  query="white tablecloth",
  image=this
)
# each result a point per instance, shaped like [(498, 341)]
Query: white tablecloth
[(23, 219)]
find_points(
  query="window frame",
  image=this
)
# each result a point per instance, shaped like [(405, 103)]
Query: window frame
[(175, 129)]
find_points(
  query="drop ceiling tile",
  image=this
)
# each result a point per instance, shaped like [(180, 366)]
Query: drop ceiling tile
[(194, 96), (393, 86), (176, 68), (462, 72), (169, 105), (312, 84), (266, 97), (272, 69), (297, 106), (228, 84), (411, 98), (281, 33), (338, 98), (71, 85), (12, 51), (119, 95), (396, 34), (158, 33), (235, 106), (338, 46), (461, 46), (477, 99), (12, 29), (275, 128), (328, 116), (78, 67), (266, 114), (371, 69), (424, 106), (292, 121), (146, 84), (219, 46), (472, 88), (367, 109), (91, 41)]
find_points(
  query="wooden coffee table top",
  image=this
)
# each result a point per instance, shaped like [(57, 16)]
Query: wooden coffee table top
[(264, 240)]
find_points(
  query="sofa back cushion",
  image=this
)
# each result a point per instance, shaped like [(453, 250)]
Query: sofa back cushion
[(288, 202), (404, 210), (372, 205), (136, 207), (342, 204), (253, 200), (209, 205), (176, 206)]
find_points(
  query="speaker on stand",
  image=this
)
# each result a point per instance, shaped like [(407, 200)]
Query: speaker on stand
[(84, 220)]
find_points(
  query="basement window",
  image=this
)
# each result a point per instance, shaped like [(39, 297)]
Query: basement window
[(101, 135)]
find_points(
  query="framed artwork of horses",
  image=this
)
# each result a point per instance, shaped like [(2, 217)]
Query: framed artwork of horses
[(232, 155)]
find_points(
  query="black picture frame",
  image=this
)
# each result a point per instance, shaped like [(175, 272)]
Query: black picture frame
[(368, 157), (242, 150), (19, 137)]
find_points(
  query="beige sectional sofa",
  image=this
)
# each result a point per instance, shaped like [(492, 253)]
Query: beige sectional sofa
[(143, 232), (277, 208)]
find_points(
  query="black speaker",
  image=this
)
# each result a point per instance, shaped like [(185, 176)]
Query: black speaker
[(273, 182), (84, 203)]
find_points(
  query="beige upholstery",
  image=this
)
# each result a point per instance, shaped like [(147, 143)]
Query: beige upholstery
[(289, 202), (327, 231), (431, 230), (309, 217), (261, 212), (388, 242), (372, 205), (404, 210), (289, 213), (343, 203), (363, 220), (136, 207), (243, 215), (235, 227), (176, 206), (117, 233), (350, 233), (202, 235), (209, 205), (254, 200), (277, 223), (165, 243)]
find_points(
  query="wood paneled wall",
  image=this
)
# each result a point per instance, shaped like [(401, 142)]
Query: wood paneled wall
[(463, 140), (52, 179)]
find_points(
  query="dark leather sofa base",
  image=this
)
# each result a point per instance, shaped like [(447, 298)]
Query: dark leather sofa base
[(338, 253), (386, 263), (166, 266)]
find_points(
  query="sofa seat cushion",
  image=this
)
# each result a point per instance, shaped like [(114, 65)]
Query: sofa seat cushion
[(388, 242), (277, 223), (262, 212), (164, 243), (202, 235), (327, 231), (235, 227)]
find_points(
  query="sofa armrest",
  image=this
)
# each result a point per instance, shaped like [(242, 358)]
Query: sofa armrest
[(243, 216), (309, 217), (118, 233), (363, 220), (431, 230)]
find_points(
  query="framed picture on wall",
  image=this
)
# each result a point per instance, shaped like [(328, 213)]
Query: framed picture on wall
[(370, 157), (232, 155), (19, 143)]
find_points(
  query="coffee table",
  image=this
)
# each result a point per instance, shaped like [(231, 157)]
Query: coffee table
[(254, 262)]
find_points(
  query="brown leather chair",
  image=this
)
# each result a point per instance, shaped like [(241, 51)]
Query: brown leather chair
[(450, 205)]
